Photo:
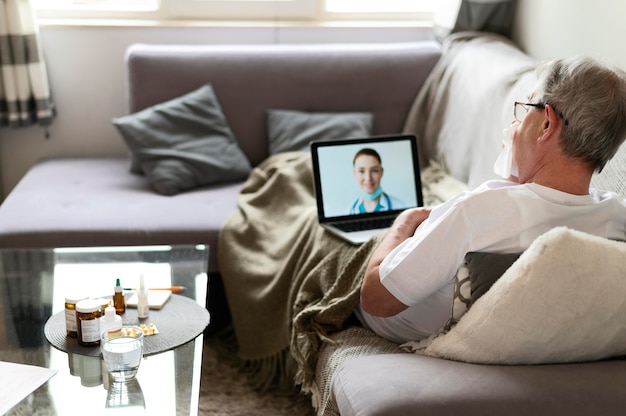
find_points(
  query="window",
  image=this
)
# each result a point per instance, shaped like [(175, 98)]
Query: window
[(97, 5), (240, 9), (378, 6), (310, 10), (98, 8)]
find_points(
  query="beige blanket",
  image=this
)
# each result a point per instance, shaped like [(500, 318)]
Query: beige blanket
[(288, 281)]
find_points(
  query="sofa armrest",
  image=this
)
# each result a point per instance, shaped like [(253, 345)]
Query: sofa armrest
[(409, 384)]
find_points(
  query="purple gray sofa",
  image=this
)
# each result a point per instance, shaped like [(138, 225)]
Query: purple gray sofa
[(98, 201), (87, 201)]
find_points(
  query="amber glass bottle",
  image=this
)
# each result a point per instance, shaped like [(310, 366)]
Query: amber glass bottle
[(88, 325), (118, 298)]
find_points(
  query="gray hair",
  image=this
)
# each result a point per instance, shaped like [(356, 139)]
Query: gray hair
[(590, 97)]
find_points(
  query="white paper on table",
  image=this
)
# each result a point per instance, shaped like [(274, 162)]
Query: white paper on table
[(17, 381)]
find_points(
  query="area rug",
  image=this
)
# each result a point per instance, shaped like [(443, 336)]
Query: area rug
[(225, 389)]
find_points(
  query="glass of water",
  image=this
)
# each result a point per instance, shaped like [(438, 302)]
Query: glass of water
[(122, 350)]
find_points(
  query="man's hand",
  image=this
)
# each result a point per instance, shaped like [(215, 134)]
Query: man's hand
[(375, 298)]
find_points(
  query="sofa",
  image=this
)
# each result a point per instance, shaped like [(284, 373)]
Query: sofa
[(388, 88), (87, 201)]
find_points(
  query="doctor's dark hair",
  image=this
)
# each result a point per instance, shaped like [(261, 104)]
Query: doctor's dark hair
[(590, 97), (367, 152)]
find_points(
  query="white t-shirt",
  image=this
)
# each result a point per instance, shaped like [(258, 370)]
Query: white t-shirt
[(498, 216)]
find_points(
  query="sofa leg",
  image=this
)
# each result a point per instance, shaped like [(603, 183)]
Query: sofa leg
[(217, 305)]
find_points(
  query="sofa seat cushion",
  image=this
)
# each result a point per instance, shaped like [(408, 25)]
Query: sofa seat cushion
[(408, 384), (94, 202)]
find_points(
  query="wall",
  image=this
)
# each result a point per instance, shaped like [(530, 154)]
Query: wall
[(555, 28), (86, 70)]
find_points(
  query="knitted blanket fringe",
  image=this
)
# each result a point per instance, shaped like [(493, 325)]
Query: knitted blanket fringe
[(271, 372)]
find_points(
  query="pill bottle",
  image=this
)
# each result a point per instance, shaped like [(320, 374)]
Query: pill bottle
[(70, 313), (87, 313), (110, 321)]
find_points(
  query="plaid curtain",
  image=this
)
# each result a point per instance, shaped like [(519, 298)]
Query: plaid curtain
[(24, 89)]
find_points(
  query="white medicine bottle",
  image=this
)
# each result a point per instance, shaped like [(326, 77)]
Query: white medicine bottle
[(143, 307), (110, 321)]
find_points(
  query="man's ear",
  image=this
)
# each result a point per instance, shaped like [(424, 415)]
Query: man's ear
[(552, 123)]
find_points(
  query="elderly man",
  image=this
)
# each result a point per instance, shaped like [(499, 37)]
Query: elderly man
[(570, 126)]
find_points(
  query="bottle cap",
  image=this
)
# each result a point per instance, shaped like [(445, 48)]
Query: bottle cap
[(118, 286), (74, 298), (88, 305), (109, 311)]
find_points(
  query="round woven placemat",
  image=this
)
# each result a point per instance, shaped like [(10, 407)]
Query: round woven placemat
[(179, 321)]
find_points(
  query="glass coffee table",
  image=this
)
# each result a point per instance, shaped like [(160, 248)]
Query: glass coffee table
[(33, 286)]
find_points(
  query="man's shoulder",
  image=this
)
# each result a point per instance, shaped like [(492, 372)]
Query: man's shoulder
[(494, 194), (498, 184), (495, 187)]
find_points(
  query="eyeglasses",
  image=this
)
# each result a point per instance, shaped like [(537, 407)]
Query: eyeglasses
[(521, 109)]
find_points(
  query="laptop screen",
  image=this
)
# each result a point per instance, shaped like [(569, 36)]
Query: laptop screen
[(366, 177)]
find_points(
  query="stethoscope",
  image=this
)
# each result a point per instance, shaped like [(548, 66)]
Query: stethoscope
[(358, 201)]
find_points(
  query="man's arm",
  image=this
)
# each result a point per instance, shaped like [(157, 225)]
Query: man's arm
[(375, 298)]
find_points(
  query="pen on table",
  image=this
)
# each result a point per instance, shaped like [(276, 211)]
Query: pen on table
[(172, 288)]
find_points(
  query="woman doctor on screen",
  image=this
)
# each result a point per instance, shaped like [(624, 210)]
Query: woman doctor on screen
[(368, 172)]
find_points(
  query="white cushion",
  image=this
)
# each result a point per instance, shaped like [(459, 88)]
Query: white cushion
[(564, 300)]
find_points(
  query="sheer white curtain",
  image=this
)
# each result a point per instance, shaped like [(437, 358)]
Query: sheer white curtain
[(24, 88)]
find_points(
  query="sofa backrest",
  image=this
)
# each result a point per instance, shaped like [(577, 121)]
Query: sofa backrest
[(468, 100), (383, 79)]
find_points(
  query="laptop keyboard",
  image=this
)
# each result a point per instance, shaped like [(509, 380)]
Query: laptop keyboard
[(366, 224)]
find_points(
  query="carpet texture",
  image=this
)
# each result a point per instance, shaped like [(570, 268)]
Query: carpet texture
[(225, 390)]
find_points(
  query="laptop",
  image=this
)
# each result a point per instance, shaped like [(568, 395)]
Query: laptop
[(357, 196)]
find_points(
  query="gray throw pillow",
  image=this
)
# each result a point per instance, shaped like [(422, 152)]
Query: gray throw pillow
[(485, 269), (290, 130), (184, 143)]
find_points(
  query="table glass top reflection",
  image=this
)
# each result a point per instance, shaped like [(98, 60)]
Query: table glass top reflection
[(33, 286)]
